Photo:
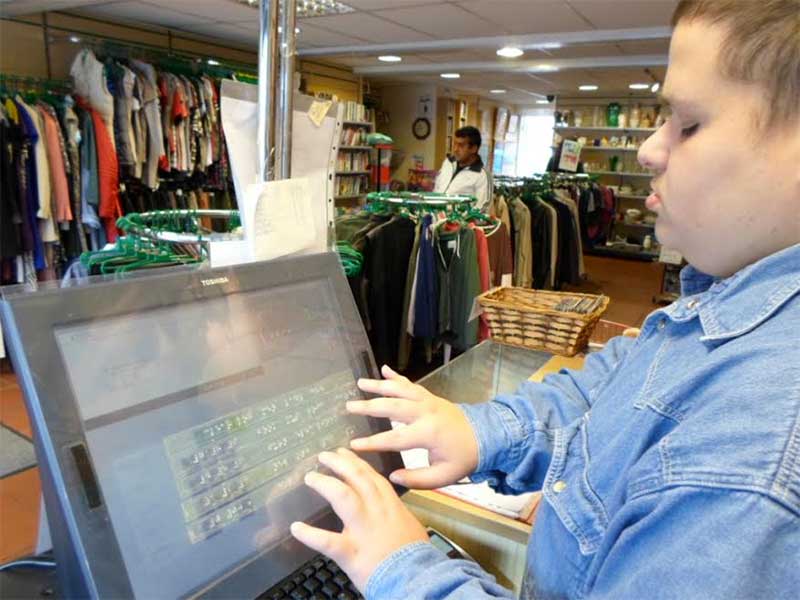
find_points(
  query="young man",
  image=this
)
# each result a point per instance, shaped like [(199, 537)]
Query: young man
[(463, 173), (670, 465)]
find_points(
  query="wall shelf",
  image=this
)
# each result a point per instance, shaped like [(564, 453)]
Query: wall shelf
[(352, 172), (630, 197), (355, 147), (607, 129), (357, 123), (607, 149), (621, 174)]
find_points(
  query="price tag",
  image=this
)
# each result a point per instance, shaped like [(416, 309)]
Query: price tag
[(570, 153), (318, 111), (672, 257)]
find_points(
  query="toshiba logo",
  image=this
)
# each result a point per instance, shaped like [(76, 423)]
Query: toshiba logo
[(214, 281)]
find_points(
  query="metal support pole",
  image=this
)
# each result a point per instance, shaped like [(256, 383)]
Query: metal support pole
[(267, 53), (284, 108)]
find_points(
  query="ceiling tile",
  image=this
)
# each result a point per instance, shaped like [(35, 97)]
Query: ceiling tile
[(144, 13), (226, 32), (620, 14), (323, 37), (381, 4), (227, 11), (14, 8), (645, 47), (585, 51), (443, 21), (529, 16), (368, 27)]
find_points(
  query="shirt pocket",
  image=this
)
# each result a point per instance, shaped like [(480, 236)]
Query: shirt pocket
[(568, 490)]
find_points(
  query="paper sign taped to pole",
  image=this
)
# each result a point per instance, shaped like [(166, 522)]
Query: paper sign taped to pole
[(280, 218), (570, 153)]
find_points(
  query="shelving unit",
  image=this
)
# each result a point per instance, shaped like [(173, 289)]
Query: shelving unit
[(614, 165), (353, 155)]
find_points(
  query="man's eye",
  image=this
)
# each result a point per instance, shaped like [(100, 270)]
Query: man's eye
[(690, 131)]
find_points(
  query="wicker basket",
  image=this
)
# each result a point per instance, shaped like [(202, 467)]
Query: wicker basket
[(527, 318)]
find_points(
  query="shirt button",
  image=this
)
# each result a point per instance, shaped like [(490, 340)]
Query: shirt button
[(691, 304), (661, 325), (559, 486)]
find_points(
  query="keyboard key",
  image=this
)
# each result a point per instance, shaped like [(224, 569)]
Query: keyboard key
[(345, 596), (318, 564), (330, 590), (298, 580), (287, 587), (324, 575), (308, 572), (341, 579), (275, 595), (312, 585), (299, 594)]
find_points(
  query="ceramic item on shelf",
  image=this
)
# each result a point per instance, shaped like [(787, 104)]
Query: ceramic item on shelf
[(623, 120), (647, 120), (632, 215), (597, 117), (578, 118), (636, 113), (612, 114), (582, 141), (647, 243), (614, 142), (613, 163), (625, 189), (604, 143)]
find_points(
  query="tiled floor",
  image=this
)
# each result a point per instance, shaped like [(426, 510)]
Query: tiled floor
[(19, 492), (630, 285)]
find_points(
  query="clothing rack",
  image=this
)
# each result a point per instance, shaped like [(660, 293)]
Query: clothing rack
[(9, 82)]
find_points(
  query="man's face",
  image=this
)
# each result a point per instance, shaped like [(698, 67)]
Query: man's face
[(726, 190), (463, 150)]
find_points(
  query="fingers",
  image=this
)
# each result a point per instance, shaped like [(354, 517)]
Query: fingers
[(342, 499), (400, 387), (427, 478), (356, 473), (403, 438), (390, 408), (327, 542)]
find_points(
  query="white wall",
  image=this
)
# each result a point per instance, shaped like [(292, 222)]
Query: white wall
[(400, 102)]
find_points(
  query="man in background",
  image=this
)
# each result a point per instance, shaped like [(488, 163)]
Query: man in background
[(463, 172)]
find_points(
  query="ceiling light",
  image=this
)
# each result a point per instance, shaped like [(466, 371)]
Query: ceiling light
[(510, 52), (497, 91), (549, 46), (212, 62), (313, 8), (655, 87), (296, 30), (542, 102), (74, 39), (639, 86), (545, 68), (390, 58), (588, 88), (450, 75)]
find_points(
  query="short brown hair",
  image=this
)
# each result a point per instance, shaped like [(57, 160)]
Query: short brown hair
[(762, 46)]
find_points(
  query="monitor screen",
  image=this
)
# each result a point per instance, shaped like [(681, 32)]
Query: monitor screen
[(201, 420)]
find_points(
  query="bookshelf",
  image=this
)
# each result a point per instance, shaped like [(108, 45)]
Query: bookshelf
[(353, 156)]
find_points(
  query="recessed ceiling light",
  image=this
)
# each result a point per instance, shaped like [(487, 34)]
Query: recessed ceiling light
[(542, 102), (212, 62), (588, 88), (639, 86), (655, 87), (549, 46), (497, 91), (390, 58), (450, 75), (545, 68), (74, 39), (510, 52), (297, 30)]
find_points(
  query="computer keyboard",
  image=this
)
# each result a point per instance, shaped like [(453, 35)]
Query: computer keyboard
[(318, 579)]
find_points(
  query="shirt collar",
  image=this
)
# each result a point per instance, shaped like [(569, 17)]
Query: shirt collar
[(734, 306), (476, 166)]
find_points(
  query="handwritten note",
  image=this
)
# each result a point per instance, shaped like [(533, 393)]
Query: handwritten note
[(318, 111)]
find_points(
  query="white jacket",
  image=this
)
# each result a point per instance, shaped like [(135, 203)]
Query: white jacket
[(472, 181)]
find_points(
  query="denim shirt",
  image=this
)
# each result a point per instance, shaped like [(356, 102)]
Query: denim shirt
[(670, 464)]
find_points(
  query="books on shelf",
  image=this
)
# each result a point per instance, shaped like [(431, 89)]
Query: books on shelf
[(354, 136), (350, 186), (352, 161), (353, 111)]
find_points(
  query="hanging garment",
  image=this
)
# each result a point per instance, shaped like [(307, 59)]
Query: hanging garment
[(155, 131), (404, 348), (425, 305), (501, 262), (58, 172), (29, 185), (523, 259), (10, 209), (482, 248), (541, 232), (565, 197), (124, 81), (88, 76), (386, 258), (459, 284), (72, 139)]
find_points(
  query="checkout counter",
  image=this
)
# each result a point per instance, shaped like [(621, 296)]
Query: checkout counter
[(496, 541)]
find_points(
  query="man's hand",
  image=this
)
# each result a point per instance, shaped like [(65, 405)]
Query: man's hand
[(376, 522), (432, 423)]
